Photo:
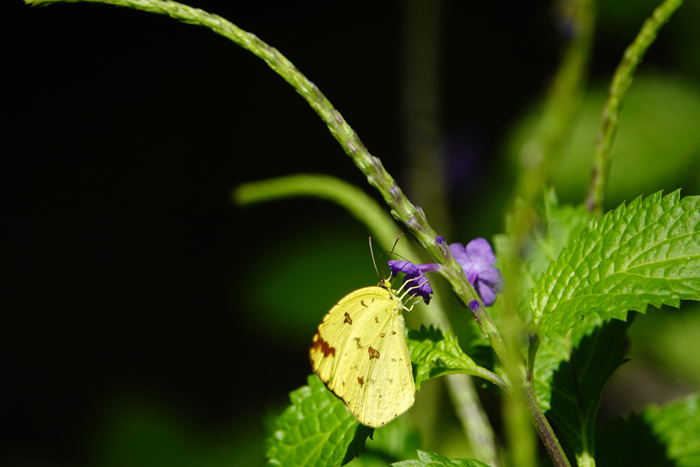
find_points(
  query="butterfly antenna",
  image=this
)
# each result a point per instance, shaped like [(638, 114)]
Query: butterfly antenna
[(390, 253), (373, 261), (395, 243)]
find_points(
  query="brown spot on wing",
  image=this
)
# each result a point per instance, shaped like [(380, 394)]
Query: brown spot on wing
[(348, 319), (361, 380), (373, 353), (357, 339), (322, 345), (382, 335), (363, 303), (376, 319)]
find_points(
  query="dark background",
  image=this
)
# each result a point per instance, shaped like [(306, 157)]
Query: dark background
[(128, 276)]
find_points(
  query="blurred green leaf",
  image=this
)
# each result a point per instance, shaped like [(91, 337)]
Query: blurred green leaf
[(656, 147), (395, 441), (678, 425), (428, 459), (138, 431), (555, 227), (661, 436)]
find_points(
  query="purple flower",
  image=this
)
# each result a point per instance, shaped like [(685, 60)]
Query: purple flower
[(477, 260), (415, 274)]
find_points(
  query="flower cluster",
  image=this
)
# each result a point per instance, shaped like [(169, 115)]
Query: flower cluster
[(476, 259)]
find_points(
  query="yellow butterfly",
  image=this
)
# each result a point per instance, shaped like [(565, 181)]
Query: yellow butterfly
[(360, 352)]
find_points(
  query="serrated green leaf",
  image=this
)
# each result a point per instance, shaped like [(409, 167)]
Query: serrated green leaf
[(659, 437), (316, 430), (435, 352), (429, 459), (570, 375), (645, 253)]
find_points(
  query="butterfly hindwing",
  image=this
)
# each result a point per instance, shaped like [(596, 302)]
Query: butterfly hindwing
[(360, 352)]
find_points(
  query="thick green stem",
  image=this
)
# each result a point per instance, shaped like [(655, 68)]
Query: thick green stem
[(544, 429)]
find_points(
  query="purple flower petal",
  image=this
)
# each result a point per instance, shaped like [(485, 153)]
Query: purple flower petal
[(477, 260), (415, 279), (406, 267)]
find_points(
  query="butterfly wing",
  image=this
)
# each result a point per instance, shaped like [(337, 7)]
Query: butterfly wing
[(360, 352)]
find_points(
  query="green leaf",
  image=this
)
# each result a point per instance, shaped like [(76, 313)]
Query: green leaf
[(555, 227), (678, 425), (428, 459), (435, 352), (395, 441), (316, 430), (559, 224), (660, 436), (570, 375), (644, 253)]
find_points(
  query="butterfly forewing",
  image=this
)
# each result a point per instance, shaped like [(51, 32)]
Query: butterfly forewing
[(360, 352)]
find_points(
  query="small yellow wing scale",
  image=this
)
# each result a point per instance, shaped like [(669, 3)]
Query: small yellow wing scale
[(360, 352)]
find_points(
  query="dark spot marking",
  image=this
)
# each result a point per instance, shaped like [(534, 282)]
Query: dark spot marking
[(393, 332), (376, 319), (348, 319), (363, 303), (357, 339), (382, 335), (322, 345), (361, 380), (372, 353)]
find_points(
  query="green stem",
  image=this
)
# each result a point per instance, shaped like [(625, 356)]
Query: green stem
[(616, 94), (544, 429), (356, 201), (537, 158)]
